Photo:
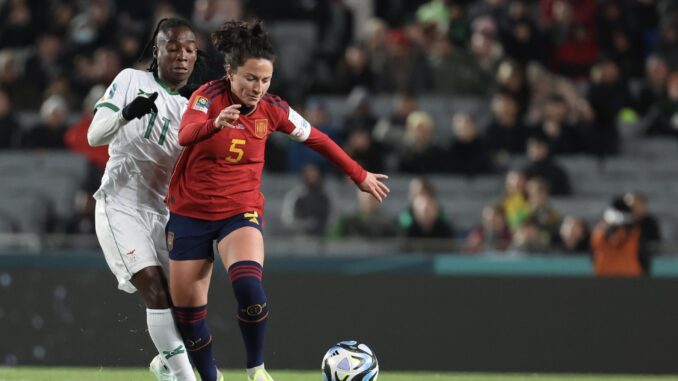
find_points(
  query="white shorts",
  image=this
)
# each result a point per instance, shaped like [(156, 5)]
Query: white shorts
[(131, 240)]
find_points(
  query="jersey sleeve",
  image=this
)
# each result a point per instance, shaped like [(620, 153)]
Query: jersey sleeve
[(196, 125), (299, 129), (115, 97)]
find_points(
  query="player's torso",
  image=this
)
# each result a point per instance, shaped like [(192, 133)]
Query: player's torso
[(144, 151)]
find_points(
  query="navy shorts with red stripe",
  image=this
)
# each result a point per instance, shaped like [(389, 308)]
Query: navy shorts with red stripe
[(191, 238)]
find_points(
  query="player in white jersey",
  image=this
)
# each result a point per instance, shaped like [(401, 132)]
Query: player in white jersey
[(138, 117)]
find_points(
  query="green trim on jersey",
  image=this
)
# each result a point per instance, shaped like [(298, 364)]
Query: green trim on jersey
[(107, 105), (164, 86)]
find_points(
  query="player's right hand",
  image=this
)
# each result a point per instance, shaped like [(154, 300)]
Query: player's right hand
[(139, 107), (227, 116)]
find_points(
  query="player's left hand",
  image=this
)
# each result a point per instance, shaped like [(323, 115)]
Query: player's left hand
[(373, 185)]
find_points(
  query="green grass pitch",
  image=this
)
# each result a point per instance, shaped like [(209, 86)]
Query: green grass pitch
[(119, 374)]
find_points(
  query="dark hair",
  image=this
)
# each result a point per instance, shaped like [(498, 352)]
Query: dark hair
[(240, 40), (163, 25)]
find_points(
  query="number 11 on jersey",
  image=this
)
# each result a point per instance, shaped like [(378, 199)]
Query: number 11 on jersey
[(163, 132)]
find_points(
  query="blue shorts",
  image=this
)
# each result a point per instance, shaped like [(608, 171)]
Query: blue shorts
[(191, 238)]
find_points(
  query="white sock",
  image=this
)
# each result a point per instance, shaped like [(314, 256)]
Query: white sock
[(251, 371), (167, 340)]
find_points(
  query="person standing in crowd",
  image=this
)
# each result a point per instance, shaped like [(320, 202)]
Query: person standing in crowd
[(214, 191), (138, 118), (619, 248)]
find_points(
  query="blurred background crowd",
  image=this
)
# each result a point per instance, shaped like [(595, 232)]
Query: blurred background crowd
[(506, 125)]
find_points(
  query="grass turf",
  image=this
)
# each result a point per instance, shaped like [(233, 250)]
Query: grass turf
[(111, 374)]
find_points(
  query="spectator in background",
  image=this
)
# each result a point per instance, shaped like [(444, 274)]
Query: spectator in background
[(298, 155), (510, 79), (653, 86), (562, 136), (619, 248), (9, 125), (306, 208), (648, 223), (428, 220), (419, 152), (455, 70), (390, 131), (667, 46), (45, 64), (16, 24), (352, 71), (404, 67), (49, 132), (541, 210), (369, 221), (542, 165), (662, 119), (467, 155), (574, 236), (505, 135), (514, 202), (521, 38), (492, 235), (619, 37), (529, 238), (434, 221), (608, 94)]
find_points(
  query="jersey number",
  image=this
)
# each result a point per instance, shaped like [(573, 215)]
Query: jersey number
[(149, 127), (237, 151)]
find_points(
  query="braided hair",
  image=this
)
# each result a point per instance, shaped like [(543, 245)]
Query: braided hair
[(240, 40), (163, 25)]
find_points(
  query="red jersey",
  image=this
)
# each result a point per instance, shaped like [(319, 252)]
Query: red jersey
[(218, 174)]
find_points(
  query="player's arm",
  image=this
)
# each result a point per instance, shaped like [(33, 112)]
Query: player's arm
[(300, 130), (113, 111)]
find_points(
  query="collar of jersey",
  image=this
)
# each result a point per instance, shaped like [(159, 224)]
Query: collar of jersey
[(163, 85)]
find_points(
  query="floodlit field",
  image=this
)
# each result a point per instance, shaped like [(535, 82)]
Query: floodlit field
[(109, 374)]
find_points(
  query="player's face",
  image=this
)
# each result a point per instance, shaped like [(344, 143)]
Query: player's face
[(250, 81), (176, 53)]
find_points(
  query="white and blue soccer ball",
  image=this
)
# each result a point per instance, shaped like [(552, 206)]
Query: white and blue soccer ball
[(350, 361)]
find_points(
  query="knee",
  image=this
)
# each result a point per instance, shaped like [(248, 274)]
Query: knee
[(156, 296)]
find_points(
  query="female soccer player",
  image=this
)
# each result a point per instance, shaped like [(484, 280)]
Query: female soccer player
[(138, 117), (214, 191)]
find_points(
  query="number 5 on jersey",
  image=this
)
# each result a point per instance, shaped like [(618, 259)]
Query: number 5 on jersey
[(236, 150)]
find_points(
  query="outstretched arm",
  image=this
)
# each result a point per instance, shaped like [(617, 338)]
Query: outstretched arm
[(366, 181)]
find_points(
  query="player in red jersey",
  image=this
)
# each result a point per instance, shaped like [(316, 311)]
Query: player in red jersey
[(214, 191)]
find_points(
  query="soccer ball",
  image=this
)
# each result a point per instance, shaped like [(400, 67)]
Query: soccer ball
[(350, 361)]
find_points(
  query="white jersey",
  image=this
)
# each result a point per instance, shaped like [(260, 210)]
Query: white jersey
[(143, 151)]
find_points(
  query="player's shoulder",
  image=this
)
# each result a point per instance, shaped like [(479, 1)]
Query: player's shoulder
[(133, 73), (274, 102), (213, 89)]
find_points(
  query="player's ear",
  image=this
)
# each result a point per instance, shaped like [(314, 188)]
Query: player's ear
[(155, 51), (229, 72)]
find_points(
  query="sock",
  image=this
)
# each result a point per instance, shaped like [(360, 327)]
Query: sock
[(252, 308), (198, 340), (251, 371), (168, 342)]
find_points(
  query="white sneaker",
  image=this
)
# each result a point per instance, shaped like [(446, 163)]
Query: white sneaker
[(261, 375), (160, 370)]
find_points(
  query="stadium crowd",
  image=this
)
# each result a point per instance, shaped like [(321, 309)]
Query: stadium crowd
[(558, 77)]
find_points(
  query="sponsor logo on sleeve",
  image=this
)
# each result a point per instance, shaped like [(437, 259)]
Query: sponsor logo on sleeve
[(201, 104)]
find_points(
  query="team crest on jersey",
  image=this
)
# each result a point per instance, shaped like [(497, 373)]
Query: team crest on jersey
[(260, 128), (201, 104), (170, 240)]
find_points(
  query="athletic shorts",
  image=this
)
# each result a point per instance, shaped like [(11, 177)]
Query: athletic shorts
[(192, 238), (131, 240)]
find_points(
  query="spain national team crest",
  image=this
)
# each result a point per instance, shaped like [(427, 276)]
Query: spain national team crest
[(260, 128), (170, 240)]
